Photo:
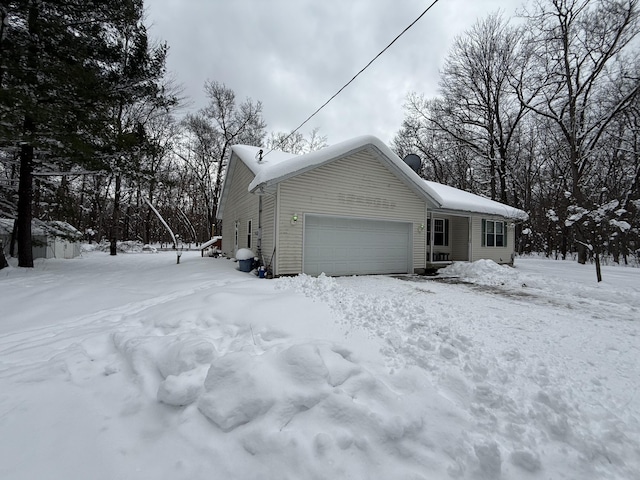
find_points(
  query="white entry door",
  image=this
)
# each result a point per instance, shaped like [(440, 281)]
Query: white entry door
[(355, 246)]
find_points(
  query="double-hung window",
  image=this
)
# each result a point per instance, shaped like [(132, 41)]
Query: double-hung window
[(249, 228), (494, 234)]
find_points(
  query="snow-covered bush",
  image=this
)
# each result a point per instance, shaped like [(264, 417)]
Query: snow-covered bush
[(127, 246)]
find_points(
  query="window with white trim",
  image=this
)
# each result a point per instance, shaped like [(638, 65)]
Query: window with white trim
[(494, 234), (249, 228)]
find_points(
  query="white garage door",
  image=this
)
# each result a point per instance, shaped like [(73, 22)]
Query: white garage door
[(353, 246)]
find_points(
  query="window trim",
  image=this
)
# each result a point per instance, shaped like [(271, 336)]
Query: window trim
[(444, 232), (249, 233), (237, 224), (493, 239)]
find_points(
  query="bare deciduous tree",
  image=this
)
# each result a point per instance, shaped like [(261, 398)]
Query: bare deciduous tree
[(579, 53), (212, 131), (296, 142)]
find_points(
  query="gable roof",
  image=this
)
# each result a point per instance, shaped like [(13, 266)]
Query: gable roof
[(276, 166)]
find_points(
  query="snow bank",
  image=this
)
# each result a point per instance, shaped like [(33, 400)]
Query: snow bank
[(241, 387), (531, 416), (125, 246), (298, 404), (487, 272)]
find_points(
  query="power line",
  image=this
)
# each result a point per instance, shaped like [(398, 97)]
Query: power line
[(354, 77)]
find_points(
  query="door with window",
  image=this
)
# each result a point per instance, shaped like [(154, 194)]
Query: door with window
[(438, 239)]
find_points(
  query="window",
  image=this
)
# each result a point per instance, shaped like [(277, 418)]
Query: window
[(236, 236), (249, 229), (440, 232), (494, 234)]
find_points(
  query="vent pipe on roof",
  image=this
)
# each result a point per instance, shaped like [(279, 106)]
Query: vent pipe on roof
[(259, 156), (413, 161)]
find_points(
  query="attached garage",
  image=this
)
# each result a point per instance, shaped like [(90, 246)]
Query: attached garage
[(356, 246)]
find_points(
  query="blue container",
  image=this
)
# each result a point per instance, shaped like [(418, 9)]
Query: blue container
[(245, 265)]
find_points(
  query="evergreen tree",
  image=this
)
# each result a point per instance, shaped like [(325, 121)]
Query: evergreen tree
[(62, 77)]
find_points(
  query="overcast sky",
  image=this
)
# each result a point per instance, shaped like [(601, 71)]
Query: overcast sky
[(293, 55)]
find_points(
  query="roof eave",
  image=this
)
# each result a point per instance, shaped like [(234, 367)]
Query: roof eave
[(226, 185), (462, 212)]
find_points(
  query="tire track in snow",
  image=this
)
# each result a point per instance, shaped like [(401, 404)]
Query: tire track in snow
[(53, 339)]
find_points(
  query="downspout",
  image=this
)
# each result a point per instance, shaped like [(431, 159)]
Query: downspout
[(470, 239), (431, 238), (276, 238), (260, 193), (259, 242)]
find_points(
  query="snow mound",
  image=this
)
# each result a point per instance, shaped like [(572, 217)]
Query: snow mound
[(321, 286), (241, 387), (244, 254), (486, 271), (88, 247), (306, 402), (125, 246)]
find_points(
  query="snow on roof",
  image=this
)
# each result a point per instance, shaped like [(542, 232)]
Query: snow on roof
[(276, 166), (250, 157), (208, 243), (54, 228), (62, 229), (451, 198)]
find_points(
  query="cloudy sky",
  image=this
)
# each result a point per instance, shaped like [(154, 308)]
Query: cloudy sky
[(293, 55)]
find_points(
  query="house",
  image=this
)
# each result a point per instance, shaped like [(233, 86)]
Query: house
[(355, 208), (54, 239)]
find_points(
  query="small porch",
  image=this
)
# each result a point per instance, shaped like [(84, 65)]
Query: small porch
[(448, 239)]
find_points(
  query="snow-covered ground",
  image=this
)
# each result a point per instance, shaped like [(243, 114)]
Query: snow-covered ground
[(134, 367)]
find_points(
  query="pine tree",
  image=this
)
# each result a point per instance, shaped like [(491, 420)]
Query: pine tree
[(62, 77)]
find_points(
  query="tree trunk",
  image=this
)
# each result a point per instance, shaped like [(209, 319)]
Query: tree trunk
[(25, 192), (147, 221), (582, 252), (14, 239), (3, 260), (115, 219)]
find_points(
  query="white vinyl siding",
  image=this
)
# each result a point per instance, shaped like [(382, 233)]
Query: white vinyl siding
[(497, 254), (268, 227), (459, 238), (240, 206), (358, 186)]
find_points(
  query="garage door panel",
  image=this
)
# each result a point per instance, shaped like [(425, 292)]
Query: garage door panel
[(348, 246)]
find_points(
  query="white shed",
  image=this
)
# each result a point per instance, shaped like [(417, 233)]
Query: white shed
[(53, 239)]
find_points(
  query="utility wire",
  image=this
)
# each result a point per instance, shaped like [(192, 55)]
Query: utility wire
[(354, 77)]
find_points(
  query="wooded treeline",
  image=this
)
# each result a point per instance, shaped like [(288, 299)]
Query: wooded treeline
[(89, 130), (542, 112)]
